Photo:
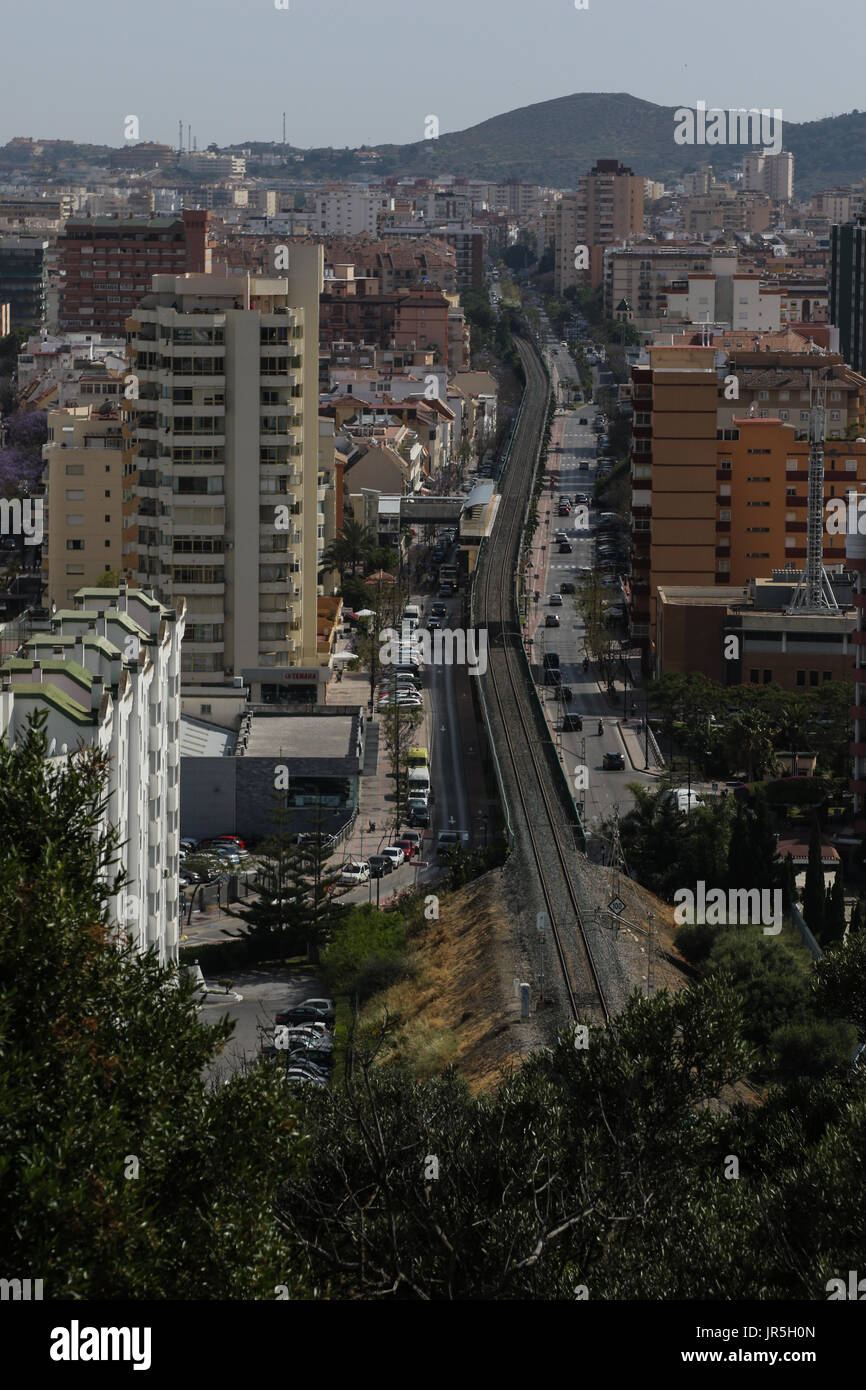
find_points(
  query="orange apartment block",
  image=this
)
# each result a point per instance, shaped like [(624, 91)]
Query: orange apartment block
[(718, 498)]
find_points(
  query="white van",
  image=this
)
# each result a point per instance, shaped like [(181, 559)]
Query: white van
[(418, 780), (411, 616)]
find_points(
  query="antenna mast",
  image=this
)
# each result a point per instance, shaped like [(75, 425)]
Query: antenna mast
[(814, 592)]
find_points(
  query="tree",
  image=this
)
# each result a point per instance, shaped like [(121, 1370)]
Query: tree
[(109, 579), (276, 922), (753, 860), (840, 982), (834, 912), (789, 882), (125, 1173), (814, 1048), (398, 728), (813, 890)]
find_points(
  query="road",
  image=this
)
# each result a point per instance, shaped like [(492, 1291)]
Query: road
[(574, 466)]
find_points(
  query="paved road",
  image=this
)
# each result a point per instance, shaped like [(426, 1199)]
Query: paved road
[(575, 467), (264, 993)]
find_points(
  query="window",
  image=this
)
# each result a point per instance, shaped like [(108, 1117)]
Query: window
[(783, 414), (75, 569), (108, 492), (204, 709), (813, 677), (790, 492), (725, 514), (73, 495), (107, 517), (75, 520), (107, 544), (75, 545), (801, 677), (768, 676), (827, 675), (75, 468), (756, 479)]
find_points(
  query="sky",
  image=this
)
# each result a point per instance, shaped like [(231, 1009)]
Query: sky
[(353, 72)]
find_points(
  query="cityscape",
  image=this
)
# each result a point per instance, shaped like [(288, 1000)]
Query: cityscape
[(433, 688)]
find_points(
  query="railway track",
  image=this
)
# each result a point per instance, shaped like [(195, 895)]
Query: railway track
[(542, 814)]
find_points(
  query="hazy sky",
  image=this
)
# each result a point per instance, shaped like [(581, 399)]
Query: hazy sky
[(351, 72)]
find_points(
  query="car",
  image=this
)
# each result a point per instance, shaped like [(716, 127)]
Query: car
[(438, 610), (567, 587), (308, 1012), (551, 620), (412, 836), (556, 600), (446, 591), (613, 762), (296, 1076), (317, 1063), (446, 840), (565, 548), (581, 499), (395, 854), (419, 813), (188, 845), (564, 511), (380, 864), (561, 536), (314, 1033), (433, 623), (583, 420), (571, 723), (409, 847), (355, 873)]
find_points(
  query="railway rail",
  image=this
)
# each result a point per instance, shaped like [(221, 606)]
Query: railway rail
[(507, 680)]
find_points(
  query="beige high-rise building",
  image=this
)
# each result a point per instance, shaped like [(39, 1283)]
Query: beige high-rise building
[(223, 486), (83, 501), (607, 207)]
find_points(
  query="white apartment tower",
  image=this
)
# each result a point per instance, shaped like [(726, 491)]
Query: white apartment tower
[(222, 473), (107, 675)]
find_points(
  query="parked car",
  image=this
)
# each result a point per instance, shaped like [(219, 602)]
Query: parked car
[(613, 762), (413, 836), (566, 587), (355, 873), (551, 620), (419, 813), (380, 864), (310, 1011), (394, 853), (409, 847), (296, 1076)]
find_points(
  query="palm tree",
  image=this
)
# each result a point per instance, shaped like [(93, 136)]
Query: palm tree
[(348, 550)]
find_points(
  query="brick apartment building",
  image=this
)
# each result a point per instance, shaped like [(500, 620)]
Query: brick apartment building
[(106, 264)]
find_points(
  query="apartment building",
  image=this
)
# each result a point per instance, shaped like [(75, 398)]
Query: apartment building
[(607, 207), (718, 495), (349, 211), (772, 174), (856, 563), (407, 321), (107, 674), (776, 384), (222, 475), (143, 154), (83, 519), (741, 300), (847, 286), (106, 264), (644, 275), (24, 279), (726, 209), (210, 165)]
